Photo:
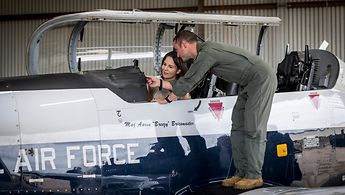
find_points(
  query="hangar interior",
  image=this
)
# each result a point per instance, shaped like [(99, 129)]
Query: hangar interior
[(304, 22)]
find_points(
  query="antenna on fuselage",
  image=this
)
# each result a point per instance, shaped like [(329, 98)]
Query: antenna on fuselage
[(136, 63), (287, 49)]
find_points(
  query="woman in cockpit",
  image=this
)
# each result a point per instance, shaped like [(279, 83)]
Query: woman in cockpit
[(172, 68)]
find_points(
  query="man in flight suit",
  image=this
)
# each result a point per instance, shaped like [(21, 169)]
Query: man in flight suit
[(257, 84)]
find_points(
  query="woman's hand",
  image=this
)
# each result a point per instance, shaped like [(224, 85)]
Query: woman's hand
[(171, 97), (160, 100)]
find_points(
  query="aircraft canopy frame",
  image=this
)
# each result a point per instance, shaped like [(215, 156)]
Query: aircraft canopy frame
[(136, 16)]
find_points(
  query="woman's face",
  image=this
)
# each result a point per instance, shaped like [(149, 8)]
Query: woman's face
[(169, 69)]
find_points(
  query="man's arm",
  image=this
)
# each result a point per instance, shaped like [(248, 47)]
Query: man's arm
[(185, 84), (153, 81)]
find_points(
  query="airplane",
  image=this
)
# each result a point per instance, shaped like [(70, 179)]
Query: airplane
[(92, 131)]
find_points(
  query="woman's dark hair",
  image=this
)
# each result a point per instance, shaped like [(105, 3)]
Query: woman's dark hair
[(178, 61)]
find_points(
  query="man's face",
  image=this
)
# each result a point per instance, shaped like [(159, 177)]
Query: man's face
[(181, 50)]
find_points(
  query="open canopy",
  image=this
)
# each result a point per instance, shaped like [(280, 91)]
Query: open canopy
[(79, 20)]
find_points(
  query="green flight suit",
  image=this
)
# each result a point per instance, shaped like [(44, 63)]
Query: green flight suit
[(257, 82)]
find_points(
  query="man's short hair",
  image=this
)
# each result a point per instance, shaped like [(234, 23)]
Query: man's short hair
[(186, 35)]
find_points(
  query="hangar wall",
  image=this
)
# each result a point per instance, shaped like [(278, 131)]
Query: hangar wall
[(303, 22)]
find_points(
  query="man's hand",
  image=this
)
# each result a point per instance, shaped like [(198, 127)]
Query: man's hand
[(152, 81)]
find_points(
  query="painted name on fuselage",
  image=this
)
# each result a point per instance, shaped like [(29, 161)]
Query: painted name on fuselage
[(163, 124), (90, 155)]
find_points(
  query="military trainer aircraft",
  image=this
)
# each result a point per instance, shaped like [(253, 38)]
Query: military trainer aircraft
[(90, 130)]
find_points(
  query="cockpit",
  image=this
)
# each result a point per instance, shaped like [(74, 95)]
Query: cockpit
[(95, 47), (95, 54)]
